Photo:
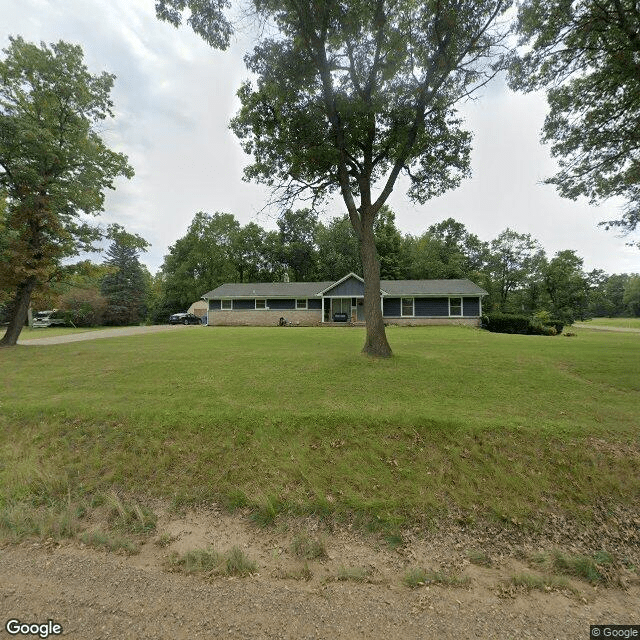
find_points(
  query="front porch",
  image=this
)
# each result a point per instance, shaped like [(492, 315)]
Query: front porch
[(343, 310)]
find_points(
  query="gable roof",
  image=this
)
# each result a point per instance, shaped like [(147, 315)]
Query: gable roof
[(317, 289)]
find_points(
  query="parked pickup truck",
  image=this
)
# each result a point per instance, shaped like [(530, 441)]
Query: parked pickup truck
[(50, 318)]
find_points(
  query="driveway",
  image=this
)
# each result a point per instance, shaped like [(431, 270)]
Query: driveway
[(602, 327), (116, 332)]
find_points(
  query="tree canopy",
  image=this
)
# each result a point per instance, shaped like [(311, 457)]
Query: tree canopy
[(54, 167), (586, 53), (349, 95)]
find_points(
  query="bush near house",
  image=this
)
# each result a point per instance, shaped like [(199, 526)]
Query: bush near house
[(541, 324)]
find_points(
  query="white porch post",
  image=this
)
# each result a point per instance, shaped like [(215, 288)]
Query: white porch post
[(322, 308)]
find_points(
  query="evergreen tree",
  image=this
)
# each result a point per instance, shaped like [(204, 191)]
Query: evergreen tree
[(126, 286)]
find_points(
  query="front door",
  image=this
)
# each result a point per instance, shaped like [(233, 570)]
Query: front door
[(360, 310)]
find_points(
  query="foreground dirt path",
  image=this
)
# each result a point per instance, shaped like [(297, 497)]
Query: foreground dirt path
[(116, 332), (94, 594)]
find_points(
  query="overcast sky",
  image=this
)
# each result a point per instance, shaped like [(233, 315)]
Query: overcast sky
[(174, 97)]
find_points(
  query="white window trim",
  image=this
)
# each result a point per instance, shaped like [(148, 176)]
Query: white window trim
[(257, 308), (413, 307), (306, 304), (461, 314), (222, 307)]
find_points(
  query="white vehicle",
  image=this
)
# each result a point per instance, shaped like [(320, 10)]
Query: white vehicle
[(48, 319)]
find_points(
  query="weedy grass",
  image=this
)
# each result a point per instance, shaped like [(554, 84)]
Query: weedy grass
[(300, 573), (308, 548), (418, 577), (353, 574), (530, 582), (233, 563), (599, 568), (480, 558), (105, 540), (296, 420)]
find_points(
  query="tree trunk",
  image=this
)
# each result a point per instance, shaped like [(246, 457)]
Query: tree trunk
[(376, 343), (20, 312)]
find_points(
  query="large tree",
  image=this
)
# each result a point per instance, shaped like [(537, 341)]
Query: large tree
[(54, 167), (351, 94), (587, 54)]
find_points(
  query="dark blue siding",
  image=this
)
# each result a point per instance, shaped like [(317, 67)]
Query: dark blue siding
[(275, 303), (471, 307), (243, 305), (390, 307), (348, 288), (425, 307), (314, 303)]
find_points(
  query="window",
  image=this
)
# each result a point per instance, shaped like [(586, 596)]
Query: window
[(455, 306), (226, 305), (301, 303), (407, 307), (261, 304)]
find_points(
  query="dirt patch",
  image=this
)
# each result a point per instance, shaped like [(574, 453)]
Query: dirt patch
[(353, 586)]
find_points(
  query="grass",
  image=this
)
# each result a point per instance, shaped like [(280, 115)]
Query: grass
[(418, 577), (353, 574), (105, 540), (234, 563), (296, 420), (600, 568), (29, 333), (628, 323), (307, 548), (530, 582)]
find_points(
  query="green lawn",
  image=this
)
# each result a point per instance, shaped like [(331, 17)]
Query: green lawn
[(46, 332), (296, 419), (632, 323)]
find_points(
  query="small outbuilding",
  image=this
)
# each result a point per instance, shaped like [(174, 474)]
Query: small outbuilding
[(409, 302)]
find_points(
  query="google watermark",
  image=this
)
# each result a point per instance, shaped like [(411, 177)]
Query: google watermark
[(15, 627), (614, 631)]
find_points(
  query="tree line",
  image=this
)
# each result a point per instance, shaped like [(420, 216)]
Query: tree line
[(513, 268)]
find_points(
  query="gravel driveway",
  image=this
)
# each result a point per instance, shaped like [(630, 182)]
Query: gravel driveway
[(116, 332)]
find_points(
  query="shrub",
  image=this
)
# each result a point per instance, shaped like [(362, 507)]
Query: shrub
[(541, 324), (506, 323)]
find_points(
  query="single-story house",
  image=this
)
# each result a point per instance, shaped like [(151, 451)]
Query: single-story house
[(315, 303)]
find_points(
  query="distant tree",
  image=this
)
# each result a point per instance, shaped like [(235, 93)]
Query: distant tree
[(298, 242), (513, 259), (247, 252), (199, 261), (631, 296), (567, 286), (464, 252), (54, 166), (587, 54), (338, 252), (351, 94), (126, 286), (606, 294), (389, 245)]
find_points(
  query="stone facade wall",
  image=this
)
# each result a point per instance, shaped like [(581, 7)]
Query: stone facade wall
[(265, 317)]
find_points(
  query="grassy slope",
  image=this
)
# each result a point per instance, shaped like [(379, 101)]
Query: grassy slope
[(632, 323), (461, 418)]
